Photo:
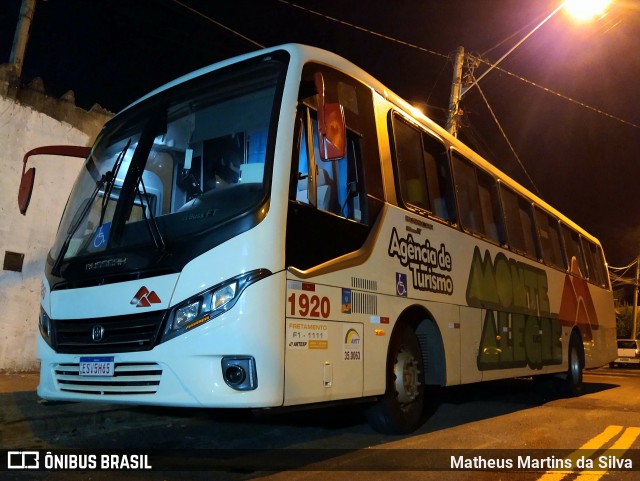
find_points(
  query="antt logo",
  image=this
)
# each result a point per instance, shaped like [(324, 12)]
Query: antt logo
[(144, 298)]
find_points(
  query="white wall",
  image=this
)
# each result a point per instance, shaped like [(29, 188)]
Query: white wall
[(22, 129)]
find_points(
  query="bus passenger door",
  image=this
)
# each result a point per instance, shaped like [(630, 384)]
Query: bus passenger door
[(323, 358), (333, 204)]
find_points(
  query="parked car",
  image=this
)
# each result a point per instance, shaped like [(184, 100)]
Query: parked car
[(628, 352)]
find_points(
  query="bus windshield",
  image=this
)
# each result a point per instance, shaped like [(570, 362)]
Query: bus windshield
[(176, 165)]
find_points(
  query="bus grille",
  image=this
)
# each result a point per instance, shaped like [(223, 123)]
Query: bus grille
[(128, 378), (139, 332)]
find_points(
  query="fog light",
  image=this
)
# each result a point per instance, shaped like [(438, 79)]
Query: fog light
[(234, 375), (239, 372)]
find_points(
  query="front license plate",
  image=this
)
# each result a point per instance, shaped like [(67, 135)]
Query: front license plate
[(97, 366)]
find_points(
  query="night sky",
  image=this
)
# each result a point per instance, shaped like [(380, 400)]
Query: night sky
[(582, 162)]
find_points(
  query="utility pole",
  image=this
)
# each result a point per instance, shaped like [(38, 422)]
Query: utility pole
[(635, 299), (16, 59), (456, 91)]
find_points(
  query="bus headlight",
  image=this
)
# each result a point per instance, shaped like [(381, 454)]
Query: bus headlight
[(208, 304), (187, 314), (45, 326), (224, 295)]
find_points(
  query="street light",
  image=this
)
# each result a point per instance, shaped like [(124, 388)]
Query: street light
[(581, 10), (585, 10)]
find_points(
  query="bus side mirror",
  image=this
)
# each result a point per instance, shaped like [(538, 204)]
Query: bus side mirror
[(332, 128), (29, 176), (26, 188)]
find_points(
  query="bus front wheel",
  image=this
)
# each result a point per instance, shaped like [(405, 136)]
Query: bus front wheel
[(400, 410)]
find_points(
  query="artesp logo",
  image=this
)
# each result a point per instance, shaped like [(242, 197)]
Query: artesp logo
[(23, 460)]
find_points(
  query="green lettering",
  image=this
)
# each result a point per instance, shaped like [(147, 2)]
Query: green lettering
[(481, 287), (489, 353), (531, 285), (504, 285), (543, 296), (519, 291), (532, 342), (506, 348), (518, 326)]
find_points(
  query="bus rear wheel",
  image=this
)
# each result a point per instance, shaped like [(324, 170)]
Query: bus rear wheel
[(400, 410), (572, 383)]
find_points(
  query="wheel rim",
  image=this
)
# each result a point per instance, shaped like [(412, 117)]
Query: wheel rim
[(407, 374)]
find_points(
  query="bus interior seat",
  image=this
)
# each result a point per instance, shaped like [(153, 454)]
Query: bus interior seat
[(416, 194), (440, 208), (302, 194), (324, 191), (322, 187)]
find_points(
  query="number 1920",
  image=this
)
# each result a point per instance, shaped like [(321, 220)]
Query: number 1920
[(309, 306)]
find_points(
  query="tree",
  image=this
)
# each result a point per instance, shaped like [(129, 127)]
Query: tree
[(624, 322)]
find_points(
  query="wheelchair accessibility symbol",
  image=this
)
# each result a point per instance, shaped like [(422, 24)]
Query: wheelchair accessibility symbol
[(401, 284), (101, 236)]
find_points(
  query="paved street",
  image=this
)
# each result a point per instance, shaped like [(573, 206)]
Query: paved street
[(504, 419)]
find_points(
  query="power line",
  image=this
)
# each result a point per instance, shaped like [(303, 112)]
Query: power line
[(625, 267), (522, 79), (362, 29), (525, 28), (565, 97), (495, 119), (433, 88), (244, 37)]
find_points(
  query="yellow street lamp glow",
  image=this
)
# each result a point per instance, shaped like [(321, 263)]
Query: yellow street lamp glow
[(585, 10)]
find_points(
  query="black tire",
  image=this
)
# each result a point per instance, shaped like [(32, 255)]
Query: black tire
[(572, 384), (400, 410), (612, 365)]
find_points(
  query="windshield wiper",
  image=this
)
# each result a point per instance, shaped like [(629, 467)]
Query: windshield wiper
[(113, 174), (108, 179), (152, 224), (72, 230)]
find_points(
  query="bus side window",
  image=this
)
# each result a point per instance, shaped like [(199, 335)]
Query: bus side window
[(339, 183), (301, 173), (440, 185), (478, 203), (490, 207), (604, 273), (412, 177), (550, 243), (423, 171), (520, 227), (573, 250), (595, 264)]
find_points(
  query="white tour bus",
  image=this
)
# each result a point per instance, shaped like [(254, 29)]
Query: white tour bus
[(281, 229)]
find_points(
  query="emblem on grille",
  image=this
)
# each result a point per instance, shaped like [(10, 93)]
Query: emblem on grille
[(144, 298), (97, 333)]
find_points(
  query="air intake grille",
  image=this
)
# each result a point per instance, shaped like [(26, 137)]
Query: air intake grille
[(364, 303), (128, 378), (360, 283), (139, 332)]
